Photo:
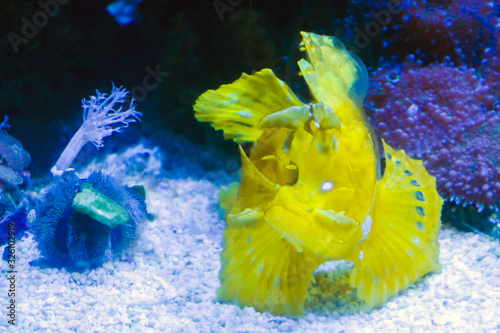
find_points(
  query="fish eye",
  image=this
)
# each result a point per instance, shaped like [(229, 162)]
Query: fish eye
[(326, 186)]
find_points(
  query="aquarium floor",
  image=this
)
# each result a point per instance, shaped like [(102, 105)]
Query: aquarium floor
[(167, 283)]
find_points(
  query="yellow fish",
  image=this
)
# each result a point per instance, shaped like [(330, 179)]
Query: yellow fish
[(312, 190)]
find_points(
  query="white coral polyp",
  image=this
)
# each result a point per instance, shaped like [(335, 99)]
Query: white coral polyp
[(99, 116)]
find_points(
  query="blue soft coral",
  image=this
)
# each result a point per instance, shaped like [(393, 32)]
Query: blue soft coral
[(69, 238)]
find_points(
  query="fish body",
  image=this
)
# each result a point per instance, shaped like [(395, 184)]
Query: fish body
[(312, 189)]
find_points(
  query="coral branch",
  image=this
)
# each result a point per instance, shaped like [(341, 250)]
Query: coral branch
[(99, 116)]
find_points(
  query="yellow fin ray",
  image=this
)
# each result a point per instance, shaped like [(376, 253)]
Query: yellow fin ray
[(255, 189), (269, 157), (339, 79), (262, 270), (237, 108), (402, 245), (327, 234), (335, 76), (228, 196), (292, 117)]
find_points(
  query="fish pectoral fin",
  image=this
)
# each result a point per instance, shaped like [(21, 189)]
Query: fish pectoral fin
[(238, 108), (402, 245), (291, 117), (297, 116), (337, 218), (262, 270), (246, 218)]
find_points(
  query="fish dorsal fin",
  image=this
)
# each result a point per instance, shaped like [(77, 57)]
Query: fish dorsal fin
[(338, 79), (335, 76), (238, 108)]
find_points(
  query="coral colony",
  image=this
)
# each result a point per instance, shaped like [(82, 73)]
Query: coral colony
[(80, 223), (13, 160)]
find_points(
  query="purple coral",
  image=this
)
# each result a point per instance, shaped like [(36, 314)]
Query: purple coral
[(442, 104), (459, 30), (444, 115)]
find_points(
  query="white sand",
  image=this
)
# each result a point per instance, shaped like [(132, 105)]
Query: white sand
[(169, 283)]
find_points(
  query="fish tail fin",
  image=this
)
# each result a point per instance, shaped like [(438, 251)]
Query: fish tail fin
[(238, 108), (262, 270), (402, 245)]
